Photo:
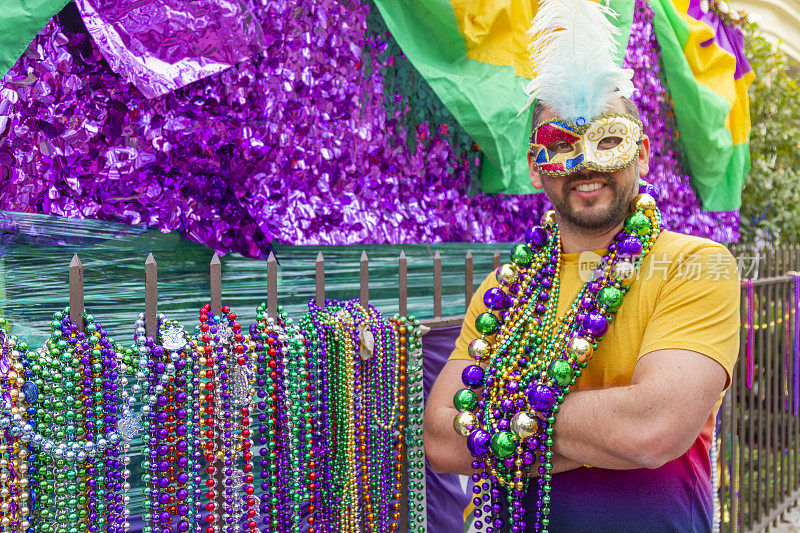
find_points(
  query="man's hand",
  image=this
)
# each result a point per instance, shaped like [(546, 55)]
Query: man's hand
[(646, 424)]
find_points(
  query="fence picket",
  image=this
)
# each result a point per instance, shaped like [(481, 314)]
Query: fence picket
[(272, 286), (402, 274), (76, 292), (364, 297), (319, 278), (437, 285), (216, 285), (467, 280), (151, 296)]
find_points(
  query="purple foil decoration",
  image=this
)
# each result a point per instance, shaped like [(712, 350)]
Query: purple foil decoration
[(293, 145), (162, 45)]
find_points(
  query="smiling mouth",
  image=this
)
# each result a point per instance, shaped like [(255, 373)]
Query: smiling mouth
[(589, 187)]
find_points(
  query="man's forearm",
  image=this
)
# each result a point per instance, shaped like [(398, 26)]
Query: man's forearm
[(598, 428), (646, 424), (446, 450)]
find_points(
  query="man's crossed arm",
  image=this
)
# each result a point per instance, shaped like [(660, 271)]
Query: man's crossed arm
[(650, 422)]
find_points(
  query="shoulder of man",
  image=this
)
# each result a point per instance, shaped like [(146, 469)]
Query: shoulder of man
[(674, 242), (679, 253)]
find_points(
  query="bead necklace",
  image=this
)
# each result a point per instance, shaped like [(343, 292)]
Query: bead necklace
[(227, 398), (299, 392), (75, 375), (361, 416), (410, 334), (269, 338), (317, 332), (17, 457), (170, 444), (342, 401), (388, 414), (534, 359)]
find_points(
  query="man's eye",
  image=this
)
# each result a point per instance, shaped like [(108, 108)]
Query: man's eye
[(560, 147), (607, 143)]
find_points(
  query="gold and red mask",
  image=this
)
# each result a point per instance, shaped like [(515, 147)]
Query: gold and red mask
[(608, 143)]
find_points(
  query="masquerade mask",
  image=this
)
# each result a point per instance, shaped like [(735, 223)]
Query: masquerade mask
[(608, 143)]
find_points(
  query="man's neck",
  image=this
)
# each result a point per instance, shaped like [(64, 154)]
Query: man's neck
[(575, 241)]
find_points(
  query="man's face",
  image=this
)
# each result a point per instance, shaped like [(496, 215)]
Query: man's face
[(589, 200)]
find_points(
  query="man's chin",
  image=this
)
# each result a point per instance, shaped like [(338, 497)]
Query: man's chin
[(592, 219)]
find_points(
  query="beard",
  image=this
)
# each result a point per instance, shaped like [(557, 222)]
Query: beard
[(586, 219)]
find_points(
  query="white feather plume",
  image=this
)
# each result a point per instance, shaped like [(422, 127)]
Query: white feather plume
[(574, 56)]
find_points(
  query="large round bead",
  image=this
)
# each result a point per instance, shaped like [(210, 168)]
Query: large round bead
[(638, 223), (630, 246), (524, 425), (506, 273), (580, 348), (496, 299), (536, 236), (610, 297), (647, 188), (472, 376), (560, 371), (478, 442), (465, 400), (478, 349), (549, 219), (464, 423), (503, 444), (624, 273), (31, 391), (521, 254), (643, 202), (487, 323), (595, 324), (541, 398)]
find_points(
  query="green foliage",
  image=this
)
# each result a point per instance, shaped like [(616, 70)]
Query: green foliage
[(771, 194)]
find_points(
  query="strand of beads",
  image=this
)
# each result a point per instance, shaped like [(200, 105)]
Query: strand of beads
[(170, 443), (226, 356), (410, 333), (269, 338), (75, 375), (535, 358), (105, 377), (299, 393), (317, 334), (388, 417), (17, 458), (133, 364)]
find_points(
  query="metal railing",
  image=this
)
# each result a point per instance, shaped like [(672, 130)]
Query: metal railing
[(758, 435)]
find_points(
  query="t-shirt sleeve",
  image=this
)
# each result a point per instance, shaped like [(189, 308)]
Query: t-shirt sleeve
[(476, 307), (697, 308)]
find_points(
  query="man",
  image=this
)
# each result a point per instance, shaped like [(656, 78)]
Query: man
[(631, 438)]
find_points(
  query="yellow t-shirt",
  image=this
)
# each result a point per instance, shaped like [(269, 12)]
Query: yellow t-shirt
[(686, 296)]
